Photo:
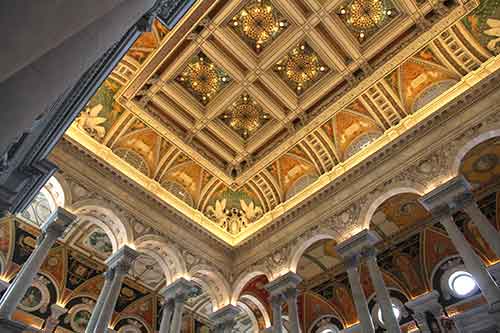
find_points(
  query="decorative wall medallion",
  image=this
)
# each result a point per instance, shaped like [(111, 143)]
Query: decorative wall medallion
[(366, 17), (37, 297), (301, 68), (99, 242), (258, 24), (80, 319), (245, 116), (147, 270), (32, 299), (203, 79)]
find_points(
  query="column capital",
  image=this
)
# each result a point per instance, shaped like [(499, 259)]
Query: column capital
[(448, 197), (283, 283), (178, 290), (426, 302), (58, 222), (370, 252), (355, 245), (351, 262), (57, 311), (121, 260), (291, 293), (225, 316), (276, 299)]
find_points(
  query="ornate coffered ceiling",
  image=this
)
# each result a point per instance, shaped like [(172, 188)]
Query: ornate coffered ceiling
[(245, 108)]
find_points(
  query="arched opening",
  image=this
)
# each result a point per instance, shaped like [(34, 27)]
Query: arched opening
[(45, 203), (397, 213), (481, 165), (255, 298)]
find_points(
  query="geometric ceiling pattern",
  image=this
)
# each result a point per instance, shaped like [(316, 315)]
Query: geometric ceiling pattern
[(245, 104)]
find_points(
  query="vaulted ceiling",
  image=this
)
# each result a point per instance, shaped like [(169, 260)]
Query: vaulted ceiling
[(245, 108)]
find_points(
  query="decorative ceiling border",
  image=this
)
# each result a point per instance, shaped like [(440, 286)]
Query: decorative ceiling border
[(389, 137)]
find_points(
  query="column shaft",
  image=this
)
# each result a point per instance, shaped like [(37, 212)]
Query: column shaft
[(110, 301), (293, 312), (473, 263), (166, 318), (277, 315), (383, 298), (359, 297), (486, 229), (17, 289), (177, 317), (103, 296)]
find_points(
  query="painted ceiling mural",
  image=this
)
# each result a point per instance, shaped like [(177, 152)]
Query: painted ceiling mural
[(72, 278), (249, 111), (413, 257)]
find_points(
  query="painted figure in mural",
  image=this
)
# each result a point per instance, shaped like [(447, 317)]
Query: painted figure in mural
[(32, 298), (99, 241), (80, 321), (345, 300), (404, 263)]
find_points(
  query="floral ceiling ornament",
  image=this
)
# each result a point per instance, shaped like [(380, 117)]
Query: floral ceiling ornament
[(245, 116), (258, 24), (90, 121), (234, 219), (203, 79), (301, 68), (365, 17)]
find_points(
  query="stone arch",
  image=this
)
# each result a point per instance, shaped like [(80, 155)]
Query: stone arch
[(466, 148), (299, 249), (260, 306), (215, 284), (439, 264), (367, 213), (250, 315), (51, 196), (335, 328), (66, 189), (243, 280), (431, 92), (91, 211), (168, 256)]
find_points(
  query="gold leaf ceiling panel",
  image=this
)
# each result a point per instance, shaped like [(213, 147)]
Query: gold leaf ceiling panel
[(264, 101)]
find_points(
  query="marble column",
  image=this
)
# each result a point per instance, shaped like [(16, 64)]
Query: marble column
[(225, 318), (118, 266), (441, 202), (51, 230), (382, 294), (350, 250), (166, 318), (291, 295), (178, 291), (358, 295), (56, 311), (486, 229), (284, 289), (276, 303), (473, 263), (426, 303)]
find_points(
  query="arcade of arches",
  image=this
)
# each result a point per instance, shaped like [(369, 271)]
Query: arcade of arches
[(276, 166)]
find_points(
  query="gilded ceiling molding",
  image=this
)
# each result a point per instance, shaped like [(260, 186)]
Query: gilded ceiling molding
[(424, 173)]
